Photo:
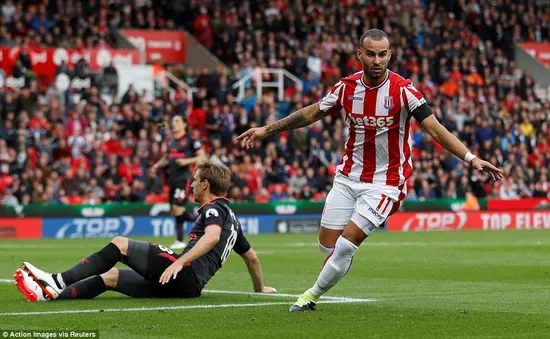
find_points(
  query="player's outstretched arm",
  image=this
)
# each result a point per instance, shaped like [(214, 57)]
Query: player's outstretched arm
[(255, 270), (301, 118), (456, 147)]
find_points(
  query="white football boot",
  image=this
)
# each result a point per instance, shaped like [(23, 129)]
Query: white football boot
[(178, 245), (45, 280), (30, 288)]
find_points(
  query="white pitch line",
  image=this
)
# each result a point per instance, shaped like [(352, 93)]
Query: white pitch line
[(168, 308), (45, 246), (264, 252), (426, 243), (285, 295), (142, 309), (323, 298)]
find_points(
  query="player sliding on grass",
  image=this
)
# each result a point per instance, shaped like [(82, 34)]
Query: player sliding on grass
[(155, 270), (370, 180)]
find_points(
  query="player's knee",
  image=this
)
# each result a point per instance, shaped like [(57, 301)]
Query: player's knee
[(110, 278), (327, 238), (121, 243), (358, 229), (324, 247)]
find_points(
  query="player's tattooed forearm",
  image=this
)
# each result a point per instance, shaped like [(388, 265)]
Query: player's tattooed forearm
[(301, 118)]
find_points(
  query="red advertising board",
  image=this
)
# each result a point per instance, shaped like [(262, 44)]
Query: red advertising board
[(456, 221), (517, 204), (20, 228), (45, 61), (169, 44), (540, 51)]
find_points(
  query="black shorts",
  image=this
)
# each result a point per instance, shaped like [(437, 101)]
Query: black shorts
[(179, 192), (150, 261)]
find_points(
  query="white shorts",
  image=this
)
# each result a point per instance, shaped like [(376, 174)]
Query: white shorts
[(366, 204)]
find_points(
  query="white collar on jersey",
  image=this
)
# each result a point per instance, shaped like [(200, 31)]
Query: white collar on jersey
[(377, 86)]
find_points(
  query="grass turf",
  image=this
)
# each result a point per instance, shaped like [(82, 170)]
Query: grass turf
[(469, 284)]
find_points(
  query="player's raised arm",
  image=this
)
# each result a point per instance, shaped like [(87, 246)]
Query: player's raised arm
[(301, 118), (430, 124), (255, 270)]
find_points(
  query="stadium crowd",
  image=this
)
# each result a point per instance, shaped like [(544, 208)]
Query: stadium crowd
[(458, 53)]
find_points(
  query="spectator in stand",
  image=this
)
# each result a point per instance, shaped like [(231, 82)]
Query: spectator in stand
[(278, 194), (298, 180), (153, 185), (71, 185), (9, 199), (97, 192)]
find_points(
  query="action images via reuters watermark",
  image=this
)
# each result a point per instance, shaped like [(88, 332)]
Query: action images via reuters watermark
[(49, 334)]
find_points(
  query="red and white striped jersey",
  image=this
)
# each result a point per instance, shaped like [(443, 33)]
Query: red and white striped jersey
[(378, 149)]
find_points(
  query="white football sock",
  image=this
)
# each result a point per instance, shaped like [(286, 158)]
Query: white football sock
[(335, 268), (324, 249), (59, 280)]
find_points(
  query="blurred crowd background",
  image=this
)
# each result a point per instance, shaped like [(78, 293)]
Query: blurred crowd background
[(459, 54)]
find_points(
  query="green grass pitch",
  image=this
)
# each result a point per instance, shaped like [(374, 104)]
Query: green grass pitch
[(469, 284)]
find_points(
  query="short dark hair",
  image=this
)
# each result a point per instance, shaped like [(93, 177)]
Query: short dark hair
[(179, 116), (374, 34), (217, 174)]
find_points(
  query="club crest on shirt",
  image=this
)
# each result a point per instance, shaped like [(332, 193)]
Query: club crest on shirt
[(388, 102), (212, 213)]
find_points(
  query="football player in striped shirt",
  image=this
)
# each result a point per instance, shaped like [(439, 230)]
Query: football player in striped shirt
[(371, 179)]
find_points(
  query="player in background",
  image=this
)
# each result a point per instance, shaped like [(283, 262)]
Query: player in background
[(370, 180), (182, 153), (155, 270)]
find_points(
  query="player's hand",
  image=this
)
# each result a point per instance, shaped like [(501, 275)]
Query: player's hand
[(180, 162), (267, 289), (170, 273), (485, 166), (249, 137)]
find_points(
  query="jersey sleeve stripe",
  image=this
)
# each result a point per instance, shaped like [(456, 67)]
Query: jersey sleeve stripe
[(332, 98), (414, 99), (414, 91), (405, 101), (341, 95)]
